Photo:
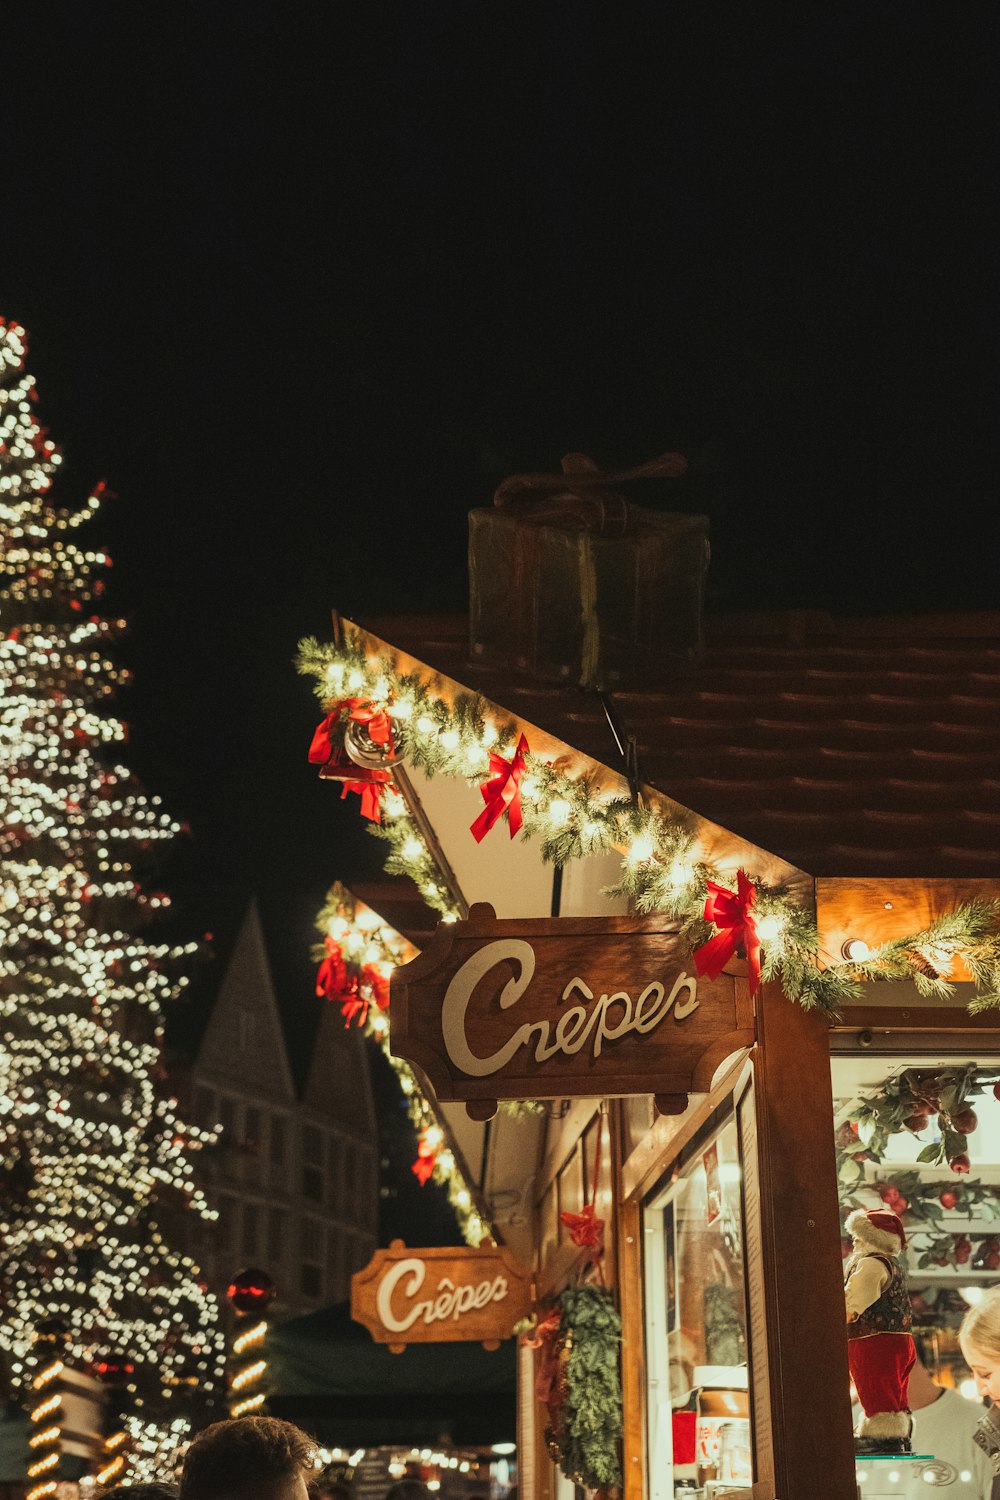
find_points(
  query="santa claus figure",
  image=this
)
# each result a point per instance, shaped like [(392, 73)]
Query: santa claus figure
[(880, 1349)]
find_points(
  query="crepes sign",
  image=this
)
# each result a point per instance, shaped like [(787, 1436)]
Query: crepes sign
[(441, 1295), (564, 1007)]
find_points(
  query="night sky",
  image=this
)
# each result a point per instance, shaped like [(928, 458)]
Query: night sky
[(304, 282)]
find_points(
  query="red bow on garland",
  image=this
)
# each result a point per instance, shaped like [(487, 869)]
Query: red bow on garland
[(502, 789), (370, 793), (585, 1229), (373, 987), (377, 720), (544, 1339), (331, 976), (732, 913), (362, 711), (424, 1164)]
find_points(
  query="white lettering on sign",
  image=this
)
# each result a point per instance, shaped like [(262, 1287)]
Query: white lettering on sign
[(576, 1026), (450, 1301)]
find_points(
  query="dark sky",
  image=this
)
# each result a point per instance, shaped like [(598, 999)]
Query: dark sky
[(304, 282)]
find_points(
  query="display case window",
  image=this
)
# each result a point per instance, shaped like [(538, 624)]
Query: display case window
[(918, 1135), (699, 1426)]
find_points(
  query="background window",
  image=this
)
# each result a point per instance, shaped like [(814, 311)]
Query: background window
[(276, 1234), (251, 1218)]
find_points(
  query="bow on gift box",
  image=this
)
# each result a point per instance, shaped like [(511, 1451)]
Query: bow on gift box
[(732, 913), (502, 790)]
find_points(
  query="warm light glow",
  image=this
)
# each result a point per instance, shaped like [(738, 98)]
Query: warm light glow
[(249, 1375), (856, 950), (769, 928), (252, 1336), (641, 849), (111, 1470), (249, 1404)]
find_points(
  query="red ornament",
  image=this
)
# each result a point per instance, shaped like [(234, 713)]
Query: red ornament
[(502, 790), (369, 785), (948, 1198), (960, 1163), (114, 1369), (251, 1291), (732, 913)]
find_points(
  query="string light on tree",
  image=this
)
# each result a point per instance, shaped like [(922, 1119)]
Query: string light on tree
[(92, 1157)]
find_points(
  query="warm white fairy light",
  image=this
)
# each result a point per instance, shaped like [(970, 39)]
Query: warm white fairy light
[(90, 1149)]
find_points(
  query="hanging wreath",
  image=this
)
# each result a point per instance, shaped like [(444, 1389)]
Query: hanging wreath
[(579, 1384)]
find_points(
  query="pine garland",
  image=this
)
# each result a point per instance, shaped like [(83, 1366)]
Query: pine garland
[(378, 944), (661, 869), (590, 1421)]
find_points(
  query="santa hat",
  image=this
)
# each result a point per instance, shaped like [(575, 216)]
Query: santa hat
[(879, 1228)]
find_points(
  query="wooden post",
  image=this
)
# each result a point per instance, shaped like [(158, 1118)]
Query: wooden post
[(803, 1278)]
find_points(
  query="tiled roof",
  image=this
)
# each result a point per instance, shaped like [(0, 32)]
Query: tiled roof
[(845, 747)]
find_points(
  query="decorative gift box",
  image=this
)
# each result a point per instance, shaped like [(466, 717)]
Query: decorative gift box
[(574, 584)]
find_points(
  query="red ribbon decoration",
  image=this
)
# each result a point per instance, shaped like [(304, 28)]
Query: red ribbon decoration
[(322, 746), (379, 985), (376, 719), (370, 793), (424, 1164), (545, 1330), (585, 1229), (362, 711), (331, 977), (501, 790), (732, 913)]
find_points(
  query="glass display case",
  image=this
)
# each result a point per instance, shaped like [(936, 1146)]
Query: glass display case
[(918, 1134), (696, 1323)]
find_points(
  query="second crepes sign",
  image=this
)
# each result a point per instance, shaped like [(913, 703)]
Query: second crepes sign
[(564, 1007), (440, 1295)]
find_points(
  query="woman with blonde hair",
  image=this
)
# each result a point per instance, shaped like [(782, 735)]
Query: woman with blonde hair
[(979, 1339)]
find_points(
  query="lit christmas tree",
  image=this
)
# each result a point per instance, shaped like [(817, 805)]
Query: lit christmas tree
[(92, 1160)]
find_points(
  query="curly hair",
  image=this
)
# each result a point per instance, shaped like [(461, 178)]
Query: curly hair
[(140, 1492), (244, 1458)]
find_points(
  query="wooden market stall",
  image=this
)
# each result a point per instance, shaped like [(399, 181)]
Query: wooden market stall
[(850, 769)]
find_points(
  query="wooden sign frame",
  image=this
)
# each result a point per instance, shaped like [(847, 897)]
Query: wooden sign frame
[(442, 1295), (605, 1006)]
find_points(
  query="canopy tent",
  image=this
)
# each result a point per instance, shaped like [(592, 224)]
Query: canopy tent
[(327, 1373)]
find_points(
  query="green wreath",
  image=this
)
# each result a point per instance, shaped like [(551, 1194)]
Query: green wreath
[(586, 1434)]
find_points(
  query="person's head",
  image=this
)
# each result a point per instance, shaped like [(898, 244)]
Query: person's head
[(140, 1492), (248, 1458), (979, 1337), (330, 1489), (408, 1489)]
